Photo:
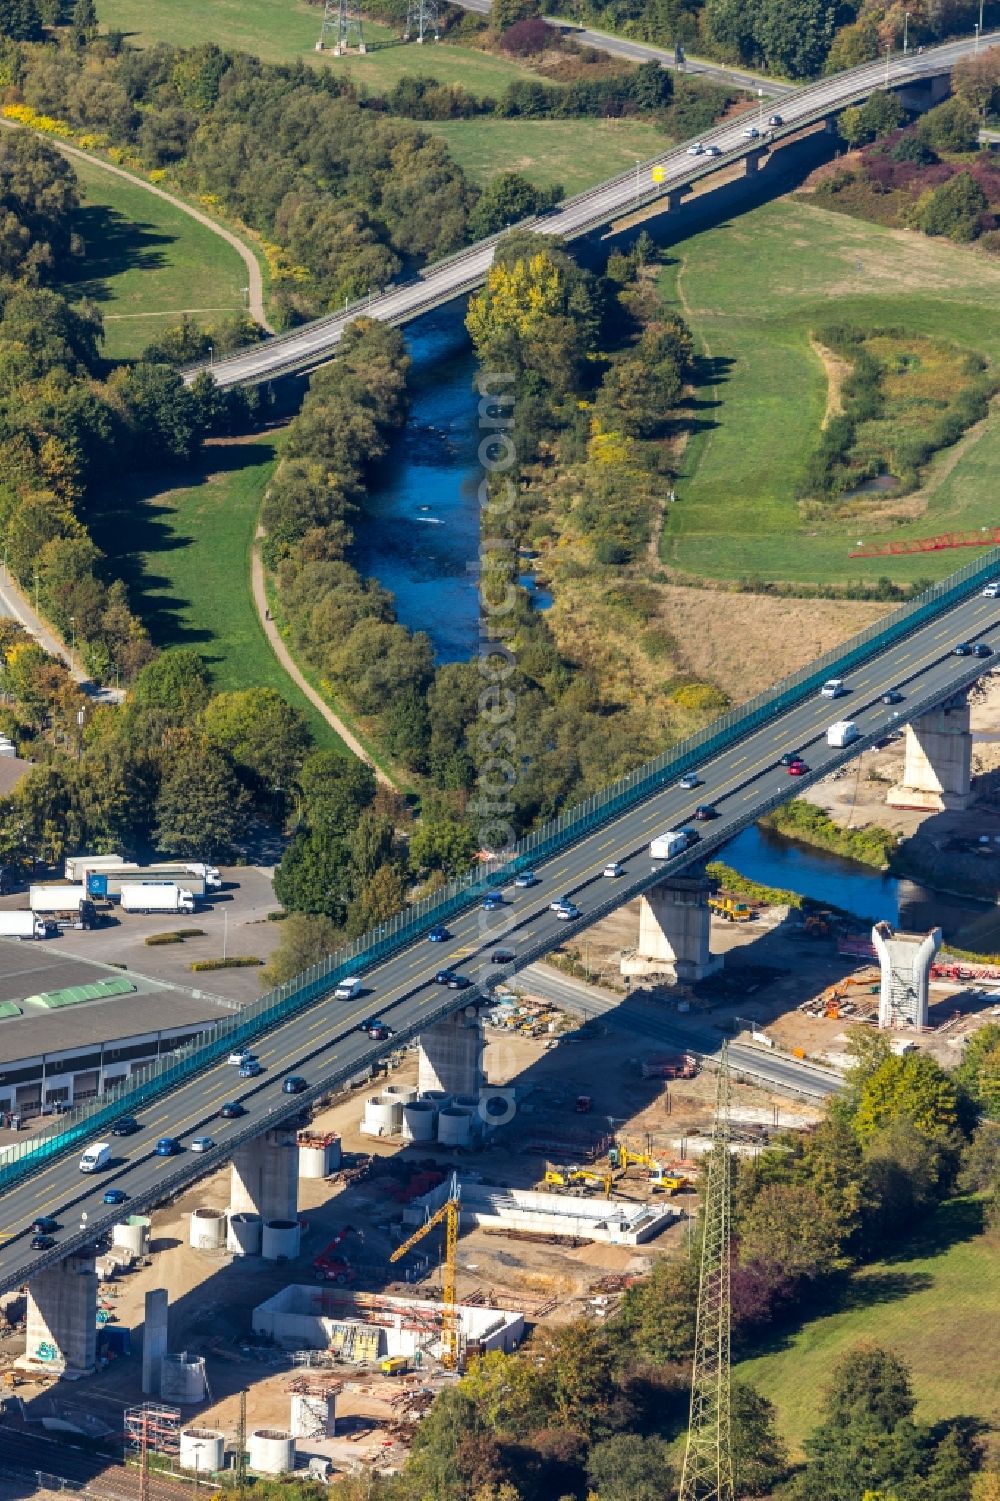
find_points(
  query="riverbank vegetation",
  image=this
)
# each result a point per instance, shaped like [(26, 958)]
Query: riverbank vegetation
[(738, 885), (802, 820)]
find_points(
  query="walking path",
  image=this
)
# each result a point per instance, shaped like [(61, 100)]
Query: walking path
[(14, 604), (255, 282), (287, 661)]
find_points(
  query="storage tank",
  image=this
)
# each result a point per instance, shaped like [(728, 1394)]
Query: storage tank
[(383, 1117), (207, 1229), (280, 1240), (182, 1379), (419, 1120), (403, 1093), (243, 1234), (132, 1234), (468, 1104), (202, 1450), (439, 1098), (319, 1156), (272, 1451), (314, 1414), (454, 1127)]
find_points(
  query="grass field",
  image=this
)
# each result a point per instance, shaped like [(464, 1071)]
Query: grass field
[(932, 1305), (753, 289), (185, 555), (284, 31), (575, 153), (147, 262)]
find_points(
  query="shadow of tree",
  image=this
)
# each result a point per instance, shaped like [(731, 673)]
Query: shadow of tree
[(114, 244)]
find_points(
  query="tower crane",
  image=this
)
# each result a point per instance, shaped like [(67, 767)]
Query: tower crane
[(448, 1213)]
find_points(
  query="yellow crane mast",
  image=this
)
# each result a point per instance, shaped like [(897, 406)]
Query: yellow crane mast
[(448, 1213)]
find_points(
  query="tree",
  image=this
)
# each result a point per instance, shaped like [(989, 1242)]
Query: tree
[(866, 1439), (951, 126), (333, 791), (854, 43), (315, 874), (980, 1170), (305, 940), (629, 1467), (505, 199), (913, 1086), (729, 26), (903, 1171), (20, 20), (175, 685), (976, 80), (979, 1070), (954, 209), (84, 20), (788, 1226), (760, 1457), (266, 738), (794, 36), (658, 1314), (200, 808), (504, 13), (377, 901), (986, 1486), (442, 842)]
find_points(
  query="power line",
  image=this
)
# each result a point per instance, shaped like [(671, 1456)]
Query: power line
[(341, 29), (708, 1458), (421, 17)]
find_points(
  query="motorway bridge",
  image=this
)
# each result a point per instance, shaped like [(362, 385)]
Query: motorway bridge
[(303, 1029), (675, 171)]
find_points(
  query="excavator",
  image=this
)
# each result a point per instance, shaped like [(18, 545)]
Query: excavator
[(621, 1157), (570, 1177)]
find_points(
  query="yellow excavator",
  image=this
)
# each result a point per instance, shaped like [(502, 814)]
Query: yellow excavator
[(570, 1177), (621, 1157)]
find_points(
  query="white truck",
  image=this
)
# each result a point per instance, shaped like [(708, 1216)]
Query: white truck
[(156, 896), (665, 846), (347, 988), (63, 904), (22, 925), (843, 732), (78, 867), (96, 1157), (106, 885)]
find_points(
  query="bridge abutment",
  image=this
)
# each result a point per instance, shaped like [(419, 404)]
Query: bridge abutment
[(62, 1318), (937, 765), (905, 960), (675, 925)]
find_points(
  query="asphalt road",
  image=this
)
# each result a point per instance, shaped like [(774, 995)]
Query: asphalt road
[(323, 1042), (677, 168)]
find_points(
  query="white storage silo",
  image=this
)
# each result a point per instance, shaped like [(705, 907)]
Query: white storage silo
[(280, 1240), (207, 1229), (454, 1127), (243, 1235), (439, 1098), (202, 1450), (182, 1379), (272, 1451), (383, 1117), (132, 1234), (402, 1093), (319, 1156), (419, 1120)]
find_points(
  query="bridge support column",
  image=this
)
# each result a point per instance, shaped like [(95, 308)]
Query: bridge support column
[(674, 928), (905, 960), (937, 767), (753, 160), (265, 1176), (674, 199), (62, 1318), (450, 1054), (154, 1339)]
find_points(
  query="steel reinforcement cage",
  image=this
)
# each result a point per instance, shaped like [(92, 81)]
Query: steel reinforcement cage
[(23, 1158)]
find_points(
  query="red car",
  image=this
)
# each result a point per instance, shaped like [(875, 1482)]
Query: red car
[(797, 769)]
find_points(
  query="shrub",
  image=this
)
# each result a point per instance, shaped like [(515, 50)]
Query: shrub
[(529, 36), (954, 209), (700, 698), (156, 939), (237, 962)]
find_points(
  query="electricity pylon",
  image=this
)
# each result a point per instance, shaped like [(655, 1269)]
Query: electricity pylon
[(340, 29), (421, 17), (708, 1458)]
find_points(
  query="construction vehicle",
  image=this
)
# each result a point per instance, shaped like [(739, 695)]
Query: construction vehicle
[(671, 1183), (817, 924), (670, 1066), (395, 1365), (330, 1264), (621, 1157), (569, 1177), (728, 908), (448, 1214)]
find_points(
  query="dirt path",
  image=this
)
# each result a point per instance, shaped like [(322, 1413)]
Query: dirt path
[(255, 281), (287, 661)]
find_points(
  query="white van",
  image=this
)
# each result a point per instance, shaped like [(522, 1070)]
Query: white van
[(96, 1157), (347, 989), (833, 688)]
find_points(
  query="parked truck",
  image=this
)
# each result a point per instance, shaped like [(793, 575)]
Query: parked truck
[(63, 904), (665, 846), (78, 867), (23, 925), (156, 896), (842, 732), (106, 885)]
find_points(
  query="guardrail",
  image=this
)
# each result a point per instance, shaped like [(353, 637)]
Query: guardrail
[(413, 922)]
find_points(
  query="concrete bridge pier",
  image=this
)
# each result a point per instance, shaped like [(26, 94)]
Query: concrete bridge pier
[(753, 160), (923, 93), (156, 1315), (937, 765), (674, 929), (450, 1054), (905, 960), (62, 1318), (675, 198), (265, 1176)]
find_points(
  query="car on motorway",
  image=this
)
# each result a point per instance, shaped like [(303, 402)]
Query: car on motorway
[(126, 1125), (503, 956), (232, 1111), (492, 901), (438, 934), (452, 979), (167, 1146), (42, 1242), (294, 1084), (251, 1069), (689, 781), (613, 870), (713, 150), (833, 688), (982, 649), (775, 120), (789, 758), (560, 901), (892, 697), (378, 1031), (202, 1144), (705, 811), (696, 149), (751, 133), (525, 879), (797, 769), (239, 1056), (991, 590), (569, 912), (115, 1196), (44, 1224), (963, 649)]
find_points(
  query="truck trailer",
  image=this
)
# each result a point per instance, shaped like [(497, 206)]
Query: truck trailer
[(63, 904), (106, 885), (78, 867), (23, 925), (843, 732), (665, 846), (156, 896)]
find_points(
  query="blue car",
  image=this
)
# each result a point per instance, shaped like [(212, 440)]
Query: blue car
[(439, 934), (167, 1146), (250, 1069), (115, 1196), (493, 901)]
